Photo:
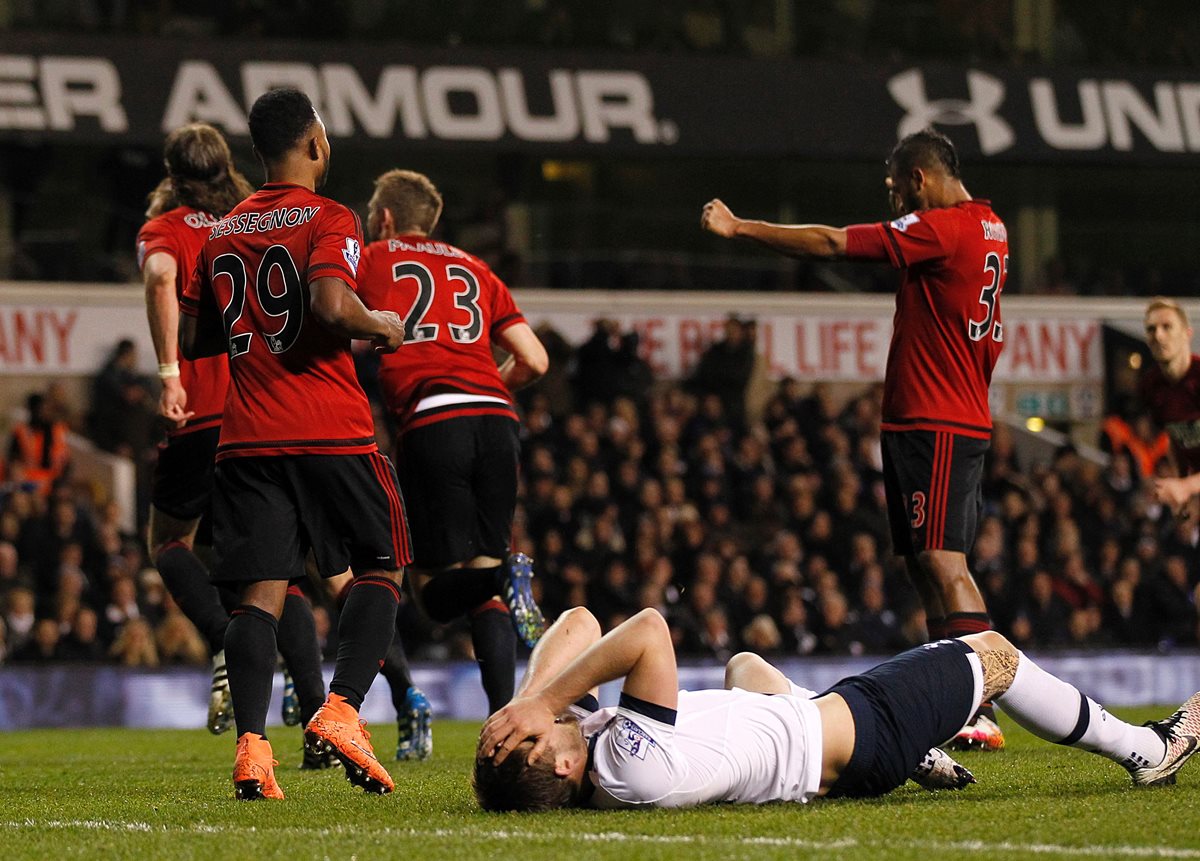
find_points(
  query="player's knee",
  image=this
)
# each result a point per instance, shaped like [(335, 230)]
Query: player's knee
[(739, 667), (582, 620), (990, 641)]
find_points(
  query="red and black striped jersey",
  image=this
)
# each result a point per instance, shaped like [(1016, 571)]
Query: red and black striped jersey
[(1175, 407), (947, 333), (181, 233), (453, 307), (294, 388)]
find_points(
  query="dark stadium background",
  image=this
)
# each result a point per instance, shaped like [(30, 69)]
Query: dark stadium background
[(642, 490)]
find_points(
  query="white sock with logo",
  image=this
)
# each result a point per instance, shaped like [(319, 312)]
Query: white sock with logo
[(1053, 710)]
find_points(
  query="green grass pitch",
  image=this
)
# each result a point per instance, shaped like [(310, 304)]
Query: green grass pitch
[(116, 794)]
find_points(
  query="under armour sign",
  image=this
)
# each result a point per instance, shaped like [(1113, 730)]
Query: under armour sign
[(985, 96)]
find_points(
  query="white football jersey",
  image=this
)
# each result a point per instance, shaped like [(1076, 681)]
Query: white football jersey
[(734, 746)]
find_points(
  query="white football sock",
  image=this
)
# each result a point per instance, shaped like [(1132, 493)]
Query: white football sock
[(1053, 710)]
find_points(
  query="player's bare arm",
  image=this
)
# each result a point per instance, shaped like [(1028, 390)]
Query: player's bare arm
[(570, 636), (795, 240), (342, 312), (162, 310), (527, 360), (639, 650)]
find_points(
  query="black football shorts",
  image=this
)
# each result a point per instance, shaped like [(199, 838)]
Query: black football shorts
[(460, 481), (933, 485), (269, 511), (901, 709), (183, 476)]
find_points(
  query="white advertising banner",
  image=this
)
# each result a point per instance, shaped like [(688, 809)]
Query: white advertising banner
[(58, 337), (70, 330), (849, 346)]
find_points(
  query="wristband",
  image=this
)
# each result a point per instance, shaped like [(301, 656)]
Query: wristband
[(168, 370)]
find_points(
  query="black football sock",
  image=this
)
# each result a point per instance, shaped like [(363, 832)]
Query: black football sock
[(250, 661), (936, 626), (395, 669), (365, 632), (187, 579), (450, 594), (961, 624), (301, 654), (495, 644)]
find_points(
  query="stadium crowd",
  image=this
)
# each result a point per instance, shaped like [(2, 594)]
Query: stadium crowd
[(751, 513)]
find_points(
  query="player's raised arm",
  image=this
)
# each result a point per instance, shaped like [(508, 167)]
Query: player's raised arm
[(342, 312), (570, 636), (527, 360), (639, 650), (795, 240)]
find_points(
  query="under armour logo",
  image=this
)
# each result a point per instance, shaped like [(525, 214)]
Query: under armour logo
[(986, 94)]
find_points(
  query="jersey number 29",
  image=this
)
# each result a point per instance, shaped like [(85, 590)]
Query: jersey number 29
[(287, 305)]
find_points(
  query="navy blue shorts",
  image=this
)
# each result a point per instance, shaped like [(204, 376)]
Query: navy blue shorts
[(901, 709)]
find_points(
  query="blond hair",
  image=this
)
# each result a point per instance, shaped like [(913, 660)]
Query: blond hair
[(1162, 303), (411, 197)]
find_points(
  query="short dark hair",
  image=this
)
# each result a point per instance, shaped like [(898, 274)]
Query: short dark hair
[(278, 119), (926, 148), (515, 785)]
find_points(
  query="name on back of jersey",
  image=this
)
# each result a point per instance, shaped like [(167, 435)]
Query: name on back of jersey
[(631, 737), (994, 231), (264, 222), (440, 248)]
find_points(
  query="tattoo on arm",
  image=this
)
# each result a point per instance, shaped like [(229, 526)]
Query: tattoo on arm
[(999, 670)]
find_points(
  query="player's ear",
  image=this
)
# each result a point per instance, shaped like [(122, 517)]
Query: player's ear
[(387, 223)]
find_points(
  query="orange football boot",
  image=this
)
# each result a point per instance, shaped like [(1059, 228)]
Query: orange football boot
[(254, 769), (337, 729)]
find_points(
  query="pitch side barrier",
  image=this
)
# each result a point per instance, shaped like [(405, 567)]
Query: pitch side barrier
[(96, 695)]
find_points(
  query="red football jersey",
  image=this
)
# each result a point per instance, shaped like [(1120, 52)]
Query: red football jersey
[(181, 233), (294, 390), (947, 332), (1175, 407), (453, 306)]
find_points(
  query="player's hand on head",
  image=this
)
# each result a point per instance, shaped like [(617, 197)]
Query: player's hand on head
[(522, 719), (172, 403), (716, 218), (391, 338)]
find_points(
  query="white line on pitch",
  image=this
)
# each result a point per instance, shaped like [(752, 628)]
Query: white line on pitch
[(959, 846)]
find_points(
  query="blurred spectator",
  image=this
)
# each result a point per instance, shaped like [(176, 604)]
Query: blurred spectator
[(607, 366), (38, 452), (725, 367), (178, 641), (134, 645), (19, 617), (42, 645), (83, 641), (122, 413)]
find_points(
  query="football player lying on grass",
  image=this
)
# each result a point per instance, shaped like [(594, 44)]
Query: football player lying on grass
[(662, 747)]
